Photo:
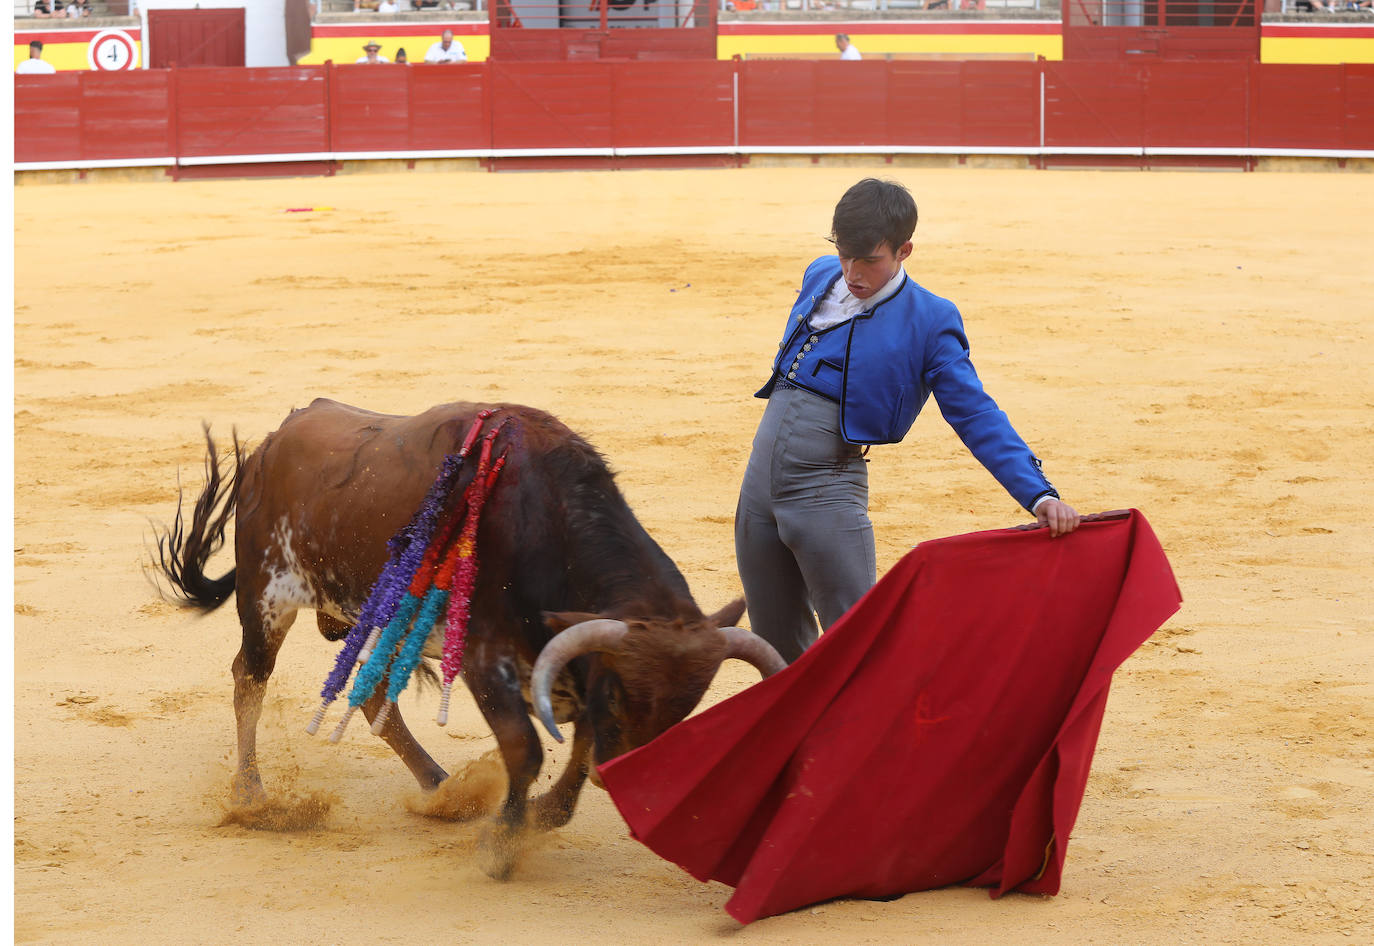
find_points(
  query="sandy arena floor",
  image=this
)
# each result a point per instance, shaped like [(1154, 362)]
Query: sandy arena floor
[(1198, 346)]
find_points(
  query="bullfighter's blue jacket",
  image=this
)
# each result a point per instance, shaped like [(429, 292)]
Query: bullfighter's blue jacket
[(882, 365)]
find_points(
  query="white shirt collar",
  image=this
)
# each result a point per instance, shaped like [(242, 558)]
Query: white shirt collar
[(840, 305)]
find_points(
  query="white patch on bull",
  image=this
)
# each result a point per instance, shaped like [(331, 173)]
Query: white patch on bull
[(286, 588)]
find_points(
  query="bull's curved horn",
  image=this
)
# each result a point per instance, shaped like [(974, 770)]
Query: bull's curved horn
[(583, 638), (754, 649)]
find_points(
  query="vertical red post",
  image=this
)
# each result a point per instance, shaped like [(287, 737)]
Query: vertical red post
[(174, 113), (329, 110), (488, 109), (81, 117), (1250, 110)]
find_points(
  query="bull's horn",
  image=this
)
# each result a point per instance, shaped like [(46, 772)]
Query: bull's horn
[(583, 638), (754, 649)]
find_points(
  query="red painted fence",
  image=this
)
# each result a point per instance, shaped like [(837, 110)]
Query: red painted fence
[(490, 109)]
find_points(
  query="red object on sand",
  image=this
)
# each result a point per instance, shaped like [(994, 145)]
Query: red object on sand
[(939, 733)]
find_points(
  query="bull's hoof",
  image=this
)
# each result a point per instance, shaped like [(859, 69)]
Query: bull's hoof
[(431, 780), (246, 790), (551, 811), (498, 849)]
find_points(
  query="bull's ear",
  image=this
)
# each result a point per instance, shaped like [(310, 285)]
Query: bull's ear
[(562, 620), (729, 615)]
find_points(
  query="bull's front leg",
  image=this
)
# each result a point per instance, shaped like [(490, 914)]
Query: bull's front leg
[(496, 688), (554, 808)]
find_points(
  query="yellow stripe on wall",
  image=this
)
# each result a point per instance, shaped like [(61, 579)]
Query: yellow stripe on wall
[(64, 56), (874, 45), (1311, 50), (346, 49)]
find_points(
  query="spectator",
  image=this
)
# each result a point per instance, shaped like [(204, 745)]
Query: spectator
[(447, 49), (386, 6), (35, 65), (77, 9), (847, 49), (401, 59), (372, 50), (41, 10)]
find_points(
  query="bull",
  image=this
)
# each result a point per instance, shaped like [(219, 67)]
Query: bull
[(577, 614)]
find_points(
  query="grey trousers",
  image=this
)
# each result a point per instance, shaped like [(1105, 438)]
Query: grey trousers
[(803, 539)]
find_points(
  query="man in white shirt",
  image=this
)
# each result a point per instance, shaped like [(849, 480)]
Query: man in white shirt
[(386, 6), (847, 49), (35, 65), (447, 49), (372, 48)]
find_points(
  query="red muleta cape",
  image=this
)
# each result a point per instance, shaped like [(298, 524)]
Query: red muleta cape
[(939, 733)]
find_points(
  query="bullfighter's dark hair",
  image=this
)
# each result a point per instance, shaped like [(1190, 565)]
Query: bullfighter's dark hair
[(872, 213)]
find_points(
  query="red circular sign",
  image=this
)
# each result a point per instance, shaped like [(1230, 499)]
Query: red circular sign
[(112, 51)]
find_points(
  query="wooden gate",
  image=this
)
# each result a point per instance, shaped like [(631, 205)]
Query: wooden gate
[(195, 38), (1162, 29), (543, 30)]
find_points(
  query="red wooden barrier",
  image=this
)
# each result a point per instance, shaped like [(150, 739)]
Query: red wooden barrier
[(449, 107), (369, 108), (775, 105), (998, 103), (551, 104), (1359, 106), (250, 111), (1095, 104), (672, 104), (1196, 105), (1296, 106), (47, 117), (126, 116), (351, 109)]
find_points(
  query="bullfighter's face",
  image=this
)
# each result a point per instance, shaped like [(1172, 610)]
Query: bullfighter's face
[(865, 275)]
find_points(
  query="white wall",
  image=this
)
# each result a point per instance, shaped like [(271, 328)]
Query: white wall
[(264, 26)]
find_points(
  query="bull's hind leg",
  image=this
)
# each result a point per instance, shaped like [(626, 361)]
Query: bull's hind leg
[(263, 634), (397, 735)]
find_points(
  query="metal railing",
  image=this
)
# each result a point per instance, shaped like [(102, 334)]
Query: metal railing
[(1163, 13), (602, 14), (872, 6)]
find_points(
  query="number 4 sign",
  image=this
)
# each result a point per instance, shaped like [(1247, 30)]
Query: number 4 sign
[(112, 51)]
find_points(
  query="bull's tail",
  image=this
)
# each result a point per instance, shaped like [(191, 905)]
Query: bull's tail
[(182, 553)]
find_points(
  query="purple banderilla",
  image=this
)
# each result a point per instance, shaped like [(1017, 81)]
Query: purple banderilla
[(407, 548)]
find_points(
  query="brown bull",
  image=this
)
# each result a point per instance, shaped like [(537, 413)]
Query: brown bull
[(559, 551)]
